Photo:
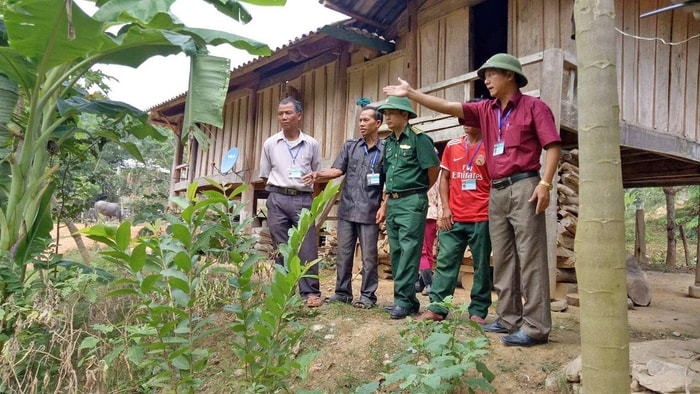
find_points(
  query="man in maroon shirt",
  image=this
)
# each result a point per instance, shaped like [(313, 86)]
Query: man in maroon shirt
[(515, 130)]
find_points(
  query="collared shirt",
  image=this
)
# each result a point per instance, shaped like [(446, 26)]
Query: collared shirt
[(406, 160), (279, 156), (529, 126), (359, 202), (467, 163)]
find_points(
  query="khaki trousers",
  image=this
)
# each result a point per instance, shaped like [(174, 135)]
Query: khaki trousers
[(521, 277)]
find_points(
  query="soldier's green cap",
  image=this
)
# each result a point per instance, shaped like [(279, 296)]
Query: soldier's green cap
[(400, 103), (506, 62)]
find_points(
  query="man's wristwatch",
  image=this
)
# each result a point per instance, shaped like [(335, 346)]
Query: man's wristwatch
[(547, 185)]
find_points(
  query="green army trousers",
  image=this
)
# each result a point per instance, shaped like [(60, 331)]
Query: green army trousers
[(405, 226), (452, 244)]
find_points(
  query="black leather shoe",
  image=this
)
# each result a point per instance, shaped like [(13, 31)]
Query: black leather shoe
[(519, 338), (399, 312), (495, 327), (413, 311)]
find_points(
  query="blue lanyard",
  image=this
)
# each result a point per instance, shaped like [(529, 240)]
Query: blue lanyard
[(371, 162), (476, 152), (501, 122), (294, 156)]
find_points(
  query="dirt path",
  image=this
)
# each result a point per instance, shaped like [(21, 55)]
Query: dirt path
[(354, 343)]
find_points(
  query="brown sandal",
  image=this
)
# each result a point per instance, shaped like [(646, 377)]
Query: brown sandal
[(313, 301), (363, 305)]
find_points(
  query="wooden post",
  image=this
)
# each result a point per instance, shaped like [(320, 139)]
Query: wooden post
[(640, 238), (411, 59), (177, 160), (550, 92), (684, 239)]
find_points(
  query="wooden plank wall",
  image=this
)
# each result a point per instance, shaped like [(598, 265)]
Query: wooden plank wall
[(367, 80), (443, 53), (234, 134), (534, 29), (266, 125), (657, 83)]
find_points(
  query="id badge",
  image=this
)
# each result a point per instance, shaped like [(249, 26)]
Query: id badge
[(469, 184), (372, 179), (499, 148), (294, 172)]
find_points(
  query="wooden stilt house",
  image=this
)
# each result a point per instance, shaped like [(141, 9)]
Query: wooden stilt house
[(436, 45)]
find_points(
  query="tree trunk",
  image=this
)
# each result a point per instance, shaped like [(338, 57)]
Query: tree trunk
[(670, 193), (78, 240), (640, 237), (601, 276)]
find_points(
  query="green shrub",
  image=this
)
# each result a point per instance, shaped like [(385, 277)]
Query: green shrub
[(266, 334), (439, 358)]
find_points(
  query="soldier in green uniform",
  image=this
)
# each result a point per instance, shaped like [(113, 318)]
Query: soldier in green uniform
[(411, 167)]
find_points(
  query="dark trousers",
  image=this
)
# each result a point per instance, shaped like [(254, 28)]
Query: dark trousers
[(405, 226), (348, 234), (283, 213), (453, 243)]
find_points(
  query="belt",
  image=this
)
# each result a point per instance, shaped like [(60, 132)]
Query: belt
[(509, 180), (287, 191), (406, 193)]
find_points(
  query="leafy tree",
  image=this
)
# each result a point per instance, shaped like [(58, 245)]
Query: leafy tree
[(601, 276), (46, 48)]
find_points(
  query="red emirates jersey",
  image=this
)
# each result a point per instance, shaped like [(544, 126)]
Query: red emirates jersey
[(469, 180)]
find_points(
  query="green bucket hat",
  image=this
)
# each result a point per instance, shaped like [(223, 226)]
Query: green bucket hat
[(400, 103), (506, 62)]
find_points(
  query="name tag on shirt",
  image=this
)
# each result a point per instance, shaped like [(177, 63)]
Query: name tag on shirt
[(499, 148), (469, 184), (294, 173), (372, 179)]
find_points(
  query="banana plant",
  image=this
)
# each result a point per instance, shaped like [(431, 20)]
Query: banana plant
[(46, 47)]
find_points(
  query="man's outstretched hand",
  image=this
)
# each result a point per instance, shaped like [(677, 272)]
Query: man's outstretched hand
[(400, 90)]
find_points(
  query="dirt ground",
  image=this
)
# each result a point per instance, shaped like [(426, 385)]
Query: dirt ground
[(356, 337), (355, 344)]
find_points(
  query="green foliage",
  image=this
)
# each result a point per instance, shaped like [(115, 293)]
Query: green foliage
[(631, 198), (265, 332), (47, 52), (439, 358), (652, 200), (162, 272)]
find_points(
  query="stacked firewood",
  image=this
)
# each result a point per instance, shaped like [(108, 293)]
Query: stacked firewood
[(567, 216), (263, 240), (329, 245), (384, 268)]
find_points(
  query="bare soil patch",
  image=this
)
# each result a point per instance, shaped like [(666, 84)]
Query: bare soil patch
[(354, 344)]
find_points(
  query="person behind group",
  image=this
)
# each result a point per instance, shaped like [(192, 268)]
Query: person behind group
[(286, 157), (515, 129), (427, 257), (358, 214), (411, 168), (464, 191)]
